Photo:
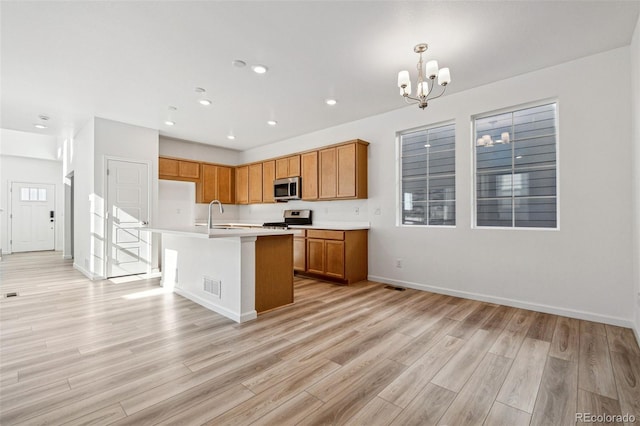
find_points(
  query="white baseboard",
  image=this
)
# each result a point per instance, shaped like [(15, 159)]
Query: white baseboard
[(236, 316), (67, 256), (90, 275), (571, 313)]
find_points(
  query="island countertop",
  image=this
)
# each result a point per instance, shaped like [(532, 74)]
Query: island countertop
[(222, 232)]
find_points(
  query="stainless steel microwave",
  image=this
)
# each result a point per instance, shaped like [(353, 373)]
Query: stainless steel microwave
[(286, 189)]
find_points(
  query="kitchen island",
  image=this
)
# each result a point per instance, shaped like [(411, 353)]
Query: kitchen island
[(235, 272)]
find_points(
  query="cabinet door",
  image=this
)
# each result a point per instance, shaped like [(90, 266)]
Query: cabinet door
[(268, 176), (294, 165), (189, 169), (168, 167), (209, 183), (334, 258), (327, 172), (242, 185), (282, 168), (309, 175), (346, 168), (299, 254), (255, 183), (224, 185), (315, 256)]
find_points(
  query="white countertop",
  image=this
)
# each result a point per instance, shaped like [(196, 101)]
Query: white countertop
[(334, 226), (203, 232)]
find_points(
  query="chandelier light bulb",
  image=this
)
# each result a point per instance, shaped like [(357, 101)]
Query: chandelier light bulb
[(444, 77), (403, 79), (432, 69)]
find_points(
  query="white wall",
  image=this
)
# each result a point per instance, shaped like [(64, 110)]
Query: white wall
[(79, 160), (98, 140), (635, 142), (31, 170), (28, 157), (583, 270), (196, 151), (200, 152)]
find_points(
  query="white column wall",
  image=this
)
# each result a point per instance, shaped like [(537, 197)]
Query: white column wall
[(635, 142), (583, 270)]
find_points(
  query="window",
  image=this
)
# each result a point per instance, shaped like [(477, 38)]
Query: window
[(33, 194), (428, 182), (516, 168)]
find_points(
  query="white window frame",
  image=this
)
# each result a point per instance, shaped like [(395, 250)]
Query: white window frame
[(399, 195), (474, 198)]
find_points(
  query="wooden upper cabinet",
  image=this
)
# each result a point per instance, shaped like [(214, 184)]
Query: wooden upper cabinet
[(268, 176), (226, 188), (242, 185), (217, 184), (288, 167), (342, 171), (255, 183), (347, 180), (327, 173), (173, 168), (309, 173)]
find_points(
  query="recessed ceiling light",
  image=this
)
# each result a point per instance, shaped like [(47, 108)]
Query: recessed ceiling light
[(238, 63), (42, 123), (259, 69), (203, 100), (231, 137), (331, 102), (272, 122), (169, 121)]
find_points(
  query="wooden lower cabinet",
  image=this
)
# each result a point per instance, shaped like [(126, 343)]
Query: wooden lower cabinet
[(340, 256), (299, 252)]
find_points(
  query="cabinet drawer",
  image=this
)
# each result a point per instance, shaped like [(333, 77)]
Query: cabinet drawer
[(325, 234)]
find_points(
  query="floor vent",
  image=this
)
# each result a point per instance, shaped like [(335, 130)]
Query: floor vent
[(13, 294), (211, 286), (392, 287)]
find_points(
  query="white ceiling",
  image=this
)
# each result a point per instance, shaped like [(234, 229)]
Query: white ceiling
[(129, 61)]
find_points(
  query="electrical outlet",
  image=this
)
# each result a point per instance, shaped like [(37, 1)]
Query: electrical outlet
[(357, 211), (326, 210), (377, 211), (398, 263)]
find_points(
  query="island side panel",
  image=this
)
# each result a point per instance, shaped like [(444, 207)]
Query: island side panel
[(216, 259), (274, 272)]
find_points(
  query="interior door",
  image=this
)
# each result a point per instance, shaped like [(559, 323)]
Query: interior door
[(128, 246), (32, 217)]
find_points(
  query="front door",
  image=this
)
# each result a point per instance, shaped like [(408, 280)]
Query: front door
[(32, 216), (128, 247)]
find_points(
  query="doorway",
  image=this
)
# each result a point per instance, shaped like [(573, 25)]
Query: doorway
[(128, 246), (32, 217)]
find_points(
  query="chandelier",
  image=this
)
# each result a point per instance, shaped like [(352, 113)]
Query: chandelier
[(424, 87)]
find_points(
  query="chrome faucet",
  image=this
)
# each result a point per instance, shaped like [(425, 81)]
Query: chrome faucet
[(210, 225)]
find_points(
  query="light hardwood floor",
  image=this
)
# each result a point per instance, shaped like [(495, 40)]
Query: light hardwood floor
[(76, 352)]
